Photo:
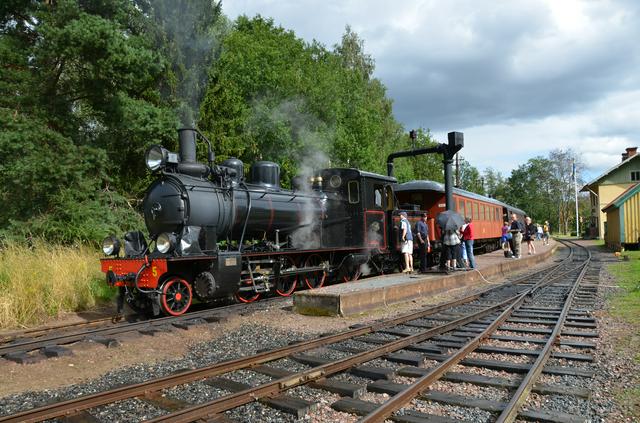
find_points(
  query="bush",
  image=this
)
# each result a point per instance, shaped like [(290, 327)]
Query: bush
[(44, 280)]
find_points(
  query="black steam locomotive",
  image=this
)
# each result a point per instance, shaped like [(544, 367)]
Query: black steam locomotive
[(218, 235)]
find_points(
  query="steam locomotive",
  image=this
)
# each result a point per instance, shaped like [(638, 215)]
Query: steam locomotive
[(218, 235)]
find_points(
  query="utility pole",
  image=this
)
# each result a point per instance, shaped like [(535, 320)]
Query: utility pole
[(575, 186)]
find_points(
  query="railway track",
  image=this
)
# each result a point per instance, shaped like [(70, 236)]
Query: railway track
[(516, 333), (36, 344), (40, 343)]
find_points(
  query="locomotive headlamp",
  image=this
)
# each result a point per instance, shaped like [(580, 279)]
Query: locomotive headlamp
[(156, 157), (111, 245), (166, 242)]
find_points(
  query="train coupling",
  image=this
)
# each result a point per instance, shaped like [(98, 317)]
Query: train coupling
[(113, 278)]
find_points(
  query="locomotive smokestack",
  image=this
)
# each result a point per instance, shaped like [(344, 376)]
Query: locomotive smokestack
[(187, 137)]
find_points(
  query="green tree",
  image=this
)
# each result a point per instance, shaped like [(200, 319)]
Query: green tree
[(422, 167), (495, 184), (189, 33), (470, 178), (273, 96), (80, 101), (562, 188)]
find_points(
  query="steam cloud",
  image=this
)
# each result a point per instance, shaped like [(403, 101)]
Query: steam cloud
[(313, 212), (288, 131), (191, 27)]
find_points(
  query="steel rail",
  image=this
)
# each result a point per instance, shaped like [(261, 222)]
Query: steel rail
[(227, 402), (11, 336), (67, 338), (399, 400), (118, 394), (246, 396), (94, 400), (510, 413)]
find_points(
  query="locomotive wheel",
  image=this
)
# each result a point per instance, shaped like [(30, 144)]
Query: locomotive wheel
[(176, 297), (247, 296), (315, 279), (351, 275), (287, 284)]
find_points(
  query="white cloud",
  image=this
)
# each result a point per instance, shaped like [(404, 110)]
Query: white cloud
[(518, 77)]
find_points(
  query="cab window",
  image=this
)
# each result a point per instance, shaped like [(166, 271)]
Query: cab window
[(377, 196), (354, 192)]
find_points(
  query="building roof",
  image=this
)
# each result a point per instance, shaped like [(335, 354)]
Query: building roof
[(426, 185), (619, 200), (608, 172)]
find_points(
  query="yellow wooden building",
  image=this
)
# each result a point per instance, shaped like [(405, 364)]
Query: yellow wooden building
[(608, 187), (623, 219)]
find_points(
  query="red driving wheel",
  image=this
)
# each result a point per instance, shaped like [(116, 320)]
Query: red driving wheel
[(315, 279), (287, 284), (247, 296), (352, 276), (176, 297)]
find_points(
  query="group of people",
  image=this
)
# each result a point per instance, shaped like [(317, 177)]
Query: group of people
[(514, 232), (457, 244)]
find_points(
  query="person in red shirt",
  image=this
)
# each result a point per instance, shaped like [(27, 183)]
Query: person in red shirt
[(467, 238)]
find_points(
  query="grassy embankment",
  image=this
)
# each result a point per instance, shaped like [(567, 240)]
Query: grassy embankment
[(626, 306), (43, 281)]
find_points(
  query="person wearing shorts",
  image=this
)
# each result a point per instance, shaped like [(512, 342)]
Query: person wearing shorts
[(407, 243), (451, 243)]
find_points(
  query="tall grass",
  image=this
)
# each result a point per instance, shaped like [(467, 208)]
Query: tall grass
[(41, 281)]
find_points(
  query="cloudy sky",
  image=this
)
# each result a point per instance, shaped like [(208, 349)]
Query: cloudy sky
[(519, 78)]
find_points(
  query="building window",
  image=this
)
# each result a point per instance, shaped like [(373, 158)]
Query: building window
[(635, 175)]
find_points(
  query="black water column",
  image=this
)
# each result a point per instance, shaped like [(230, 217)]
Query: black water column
[(456, 142)]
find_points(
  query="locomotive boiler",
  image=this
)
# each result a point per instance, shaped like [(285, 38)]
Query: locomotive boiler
[(217, 234)]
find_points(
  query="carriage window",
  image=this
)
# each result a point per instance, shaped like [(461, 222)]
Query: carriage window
[(354, 192), (476, 215), (498, 214), (482, 214), (467, 211), (461, 207)]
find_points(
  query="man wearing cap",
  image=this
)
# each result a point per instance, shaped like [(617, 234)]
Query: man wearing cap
[(407, 243), (422, 234)]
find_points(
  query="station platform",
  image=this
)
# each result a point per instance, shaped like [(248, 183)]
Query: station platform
[(351, 298)]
